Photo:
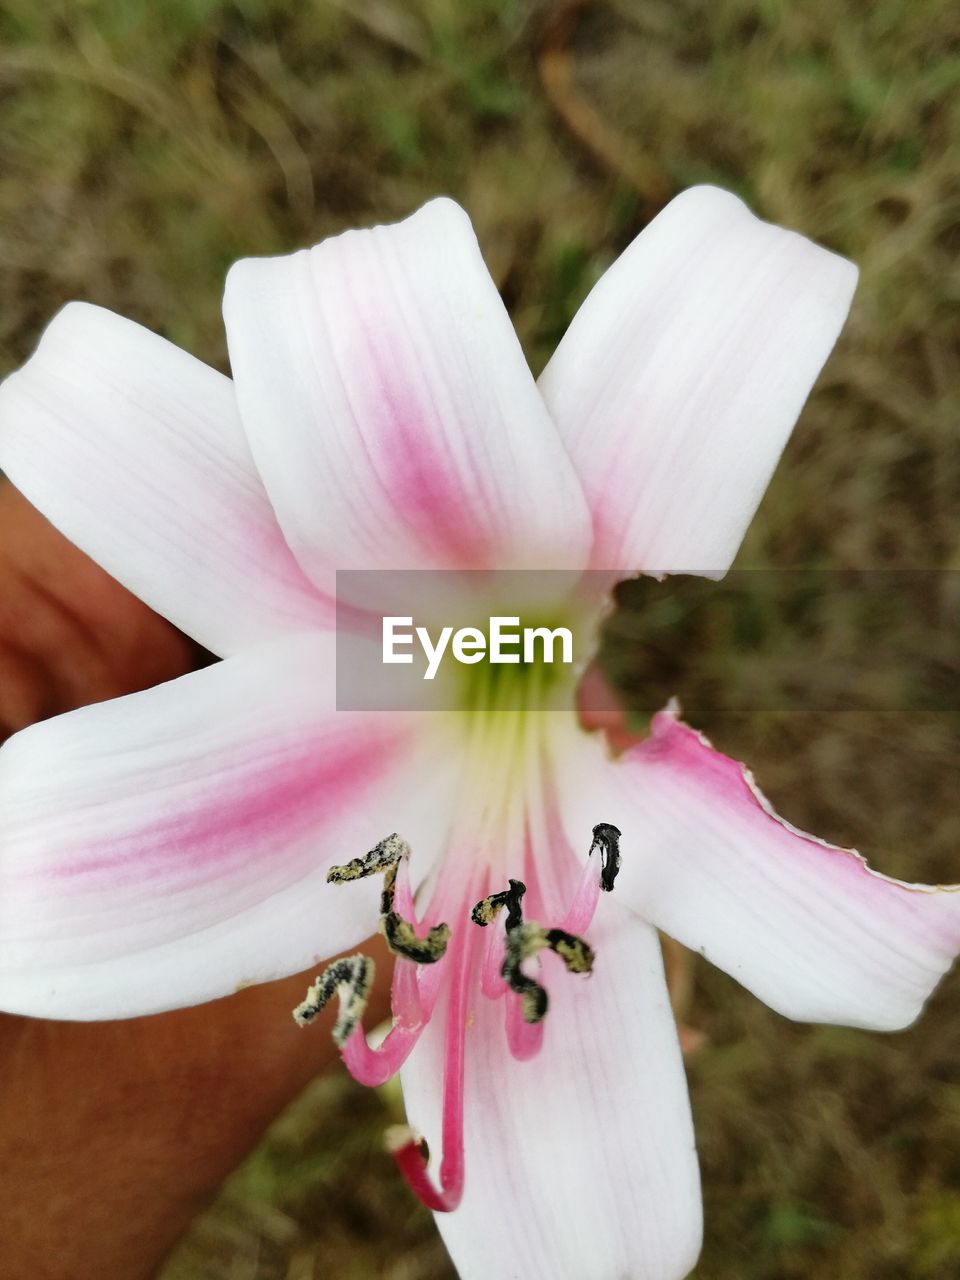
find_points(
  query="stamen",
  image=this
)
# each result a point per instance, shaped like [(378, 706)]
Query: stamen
[(526, 939), (484, 913), (529, 939), (402, 937), (373, 1067), (412, 1002), (398, 1136), (350, 980), (491, 982), (524, 1039)]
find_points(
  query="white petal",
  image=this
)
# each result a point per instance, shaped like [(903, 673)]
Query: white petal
[(390, 408), (581, 1163), (165, 848), (804, 925), (679, 380), (134, 450)]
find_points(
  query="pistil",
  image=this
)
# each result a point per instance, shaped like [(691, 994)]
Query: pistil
[(406, 1146)]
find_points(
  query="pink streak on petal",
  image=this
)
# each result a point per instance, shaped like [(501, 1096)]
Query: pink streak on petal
[(429, 491), (555, 872), (684, 751), (419, 468), (194, 845)]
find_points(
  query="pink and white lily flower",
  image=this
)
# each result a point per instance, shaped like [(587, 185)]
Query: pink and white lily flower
[(169, 847)]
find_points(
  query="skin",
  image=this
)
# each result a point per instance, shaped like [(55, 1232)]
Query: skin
[(114, 1135)]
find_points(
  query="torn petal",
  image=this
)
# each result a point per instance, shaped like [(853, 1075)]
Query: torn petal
[(804, 925)]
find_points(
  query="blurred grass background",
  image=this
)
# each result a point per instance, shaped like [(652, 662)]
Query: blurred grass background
[(146, 145)]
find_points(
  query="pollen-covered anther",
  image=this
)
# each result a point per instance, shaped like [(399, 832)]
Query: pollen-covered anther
[(606, 838), (487, 910), (381, 857), (575, 953), (350, 979), (403, 940)]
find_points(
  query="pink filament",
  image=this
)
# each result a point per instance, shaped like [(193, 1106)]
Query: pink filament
[(403, 893), (409, 1158), (524, 1039), (371, 1067), (405, 1002), (584, 905), (491, 980), (405, 990), (413, 994)]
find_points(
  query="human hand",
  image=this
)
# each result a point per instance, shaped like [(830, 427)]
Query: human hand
[(113, 1135)]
